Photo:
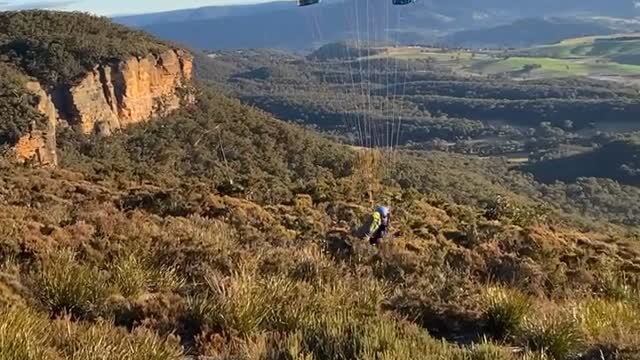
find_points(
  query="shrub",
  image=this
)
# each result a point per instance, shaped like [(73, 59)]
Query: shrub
[(522, 215), (64, 285)]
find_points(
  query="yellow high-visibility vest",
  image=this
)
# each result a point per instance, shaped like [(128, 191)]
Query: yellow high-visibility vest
[(375, 223)]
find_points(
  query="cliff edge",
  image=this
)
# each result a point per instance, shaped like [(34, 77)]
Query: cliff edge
[(95, 81)]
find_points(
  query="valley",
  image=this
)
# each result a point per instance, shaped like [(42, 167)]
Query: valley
[(424, 99)]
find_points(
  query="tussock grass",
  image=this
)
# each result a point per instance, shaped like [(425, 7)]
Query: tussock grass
[(487, 350), (314, 266), (103, 341), (505, 311), (195, 245), (26, 335), (343, 336), (133, 276), (23, 336), (559, 336), (244, 304), (608, 321), (64, 285), (617, 286)]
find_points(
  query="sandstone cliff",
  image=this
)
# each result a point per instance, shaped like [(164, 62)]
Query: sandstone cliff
[(108, 98), (39, 145)]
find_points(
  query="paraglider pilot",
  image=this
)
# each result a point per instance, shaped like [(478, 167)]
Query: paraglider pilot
[(376, 225)]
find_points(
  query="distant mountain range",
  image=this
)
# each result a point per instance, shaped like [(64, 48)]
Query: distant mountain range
[(527, 32), (282, 24)]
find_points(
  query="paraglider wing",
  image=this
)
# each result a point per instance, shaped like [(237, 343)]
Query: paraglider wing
[(402, 2), (307, 2)]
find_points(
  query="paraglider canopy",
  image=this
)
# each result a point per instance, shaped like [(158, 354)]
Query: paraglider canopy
[(307, 2), (394, 2)]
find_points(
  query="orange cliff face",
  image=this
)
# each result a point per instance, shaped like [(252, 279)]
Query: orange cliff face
[(112, 97), (39, 145), (108, 98)]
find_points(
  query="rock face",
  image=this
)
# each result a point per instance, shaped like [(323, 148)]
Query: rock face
[(39, 145), (112, 97), (108, 98)]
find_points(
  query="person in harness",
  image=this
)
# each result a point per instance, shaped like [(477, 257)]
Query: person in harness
[(376, 226)]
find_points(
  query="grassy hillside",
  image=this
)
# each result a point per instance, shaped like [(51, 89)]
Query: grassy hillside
[(621, 48), (221, 232), (132, 240)]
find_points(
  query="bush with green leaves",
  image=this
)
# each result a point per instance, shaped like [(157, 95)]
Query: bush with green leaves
[(17, 106)]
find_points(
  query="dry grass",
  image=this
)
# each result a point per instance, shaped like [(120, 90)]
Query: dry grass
[(237, 280), (505, 311), (610, 321), (558, 336), (25, 335), (64, 285), (133, 276)]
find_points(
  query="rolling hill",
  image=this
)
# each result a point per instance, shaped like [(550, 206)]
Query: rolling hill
[(618, 160), (621, 48), (285, 26), (526, 32), (203, 13)]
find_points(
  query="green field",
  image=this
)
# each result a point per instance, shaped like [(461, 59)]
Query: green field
[(617, 48), (434, 54), (547, 66), (616, 56)]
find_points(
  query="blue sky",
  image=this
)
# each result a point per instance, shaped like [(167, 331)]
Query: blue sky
[(113, 7)]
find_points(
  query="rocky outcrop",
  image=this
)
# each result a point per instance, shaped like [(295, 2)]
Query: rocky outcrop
[(108, 98), (39, 145), (114, 96)]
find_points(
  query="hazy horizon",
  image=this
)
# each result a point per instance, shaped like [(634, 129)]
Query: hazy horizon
[(120, 7)]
